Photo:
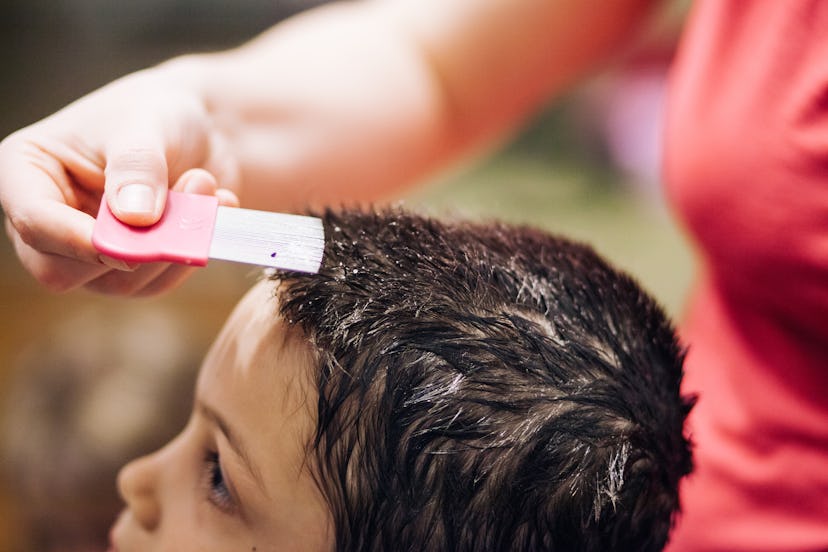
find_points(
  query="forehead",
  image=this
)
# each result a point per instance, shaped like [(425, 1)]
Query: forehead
[(256, 334), (257, 378), (260, 367)]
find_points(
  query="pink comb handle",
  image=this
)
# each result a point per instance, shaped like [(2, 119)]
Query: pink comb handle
[(182, 235)]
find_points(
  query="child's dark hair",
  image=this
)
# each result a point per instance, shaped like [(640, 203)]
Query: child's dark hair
[(487, 387)]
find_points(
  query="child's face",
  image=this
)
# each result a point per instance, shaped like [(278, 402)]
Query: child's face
[(237, 477)]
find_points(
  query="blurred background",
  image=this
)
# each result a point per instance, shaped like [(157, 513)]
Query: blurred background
[(87, 382)]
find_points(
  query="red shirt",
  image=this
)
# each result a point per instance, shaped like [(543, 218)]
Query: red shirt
[(746, 168)]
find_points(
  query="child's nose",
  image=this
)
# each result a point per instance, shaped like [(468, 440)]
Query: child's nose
[(137, 484)]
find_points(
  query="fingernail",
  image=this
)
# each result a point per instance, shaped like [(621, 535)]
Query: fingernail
[(136, 198), (117, 264)]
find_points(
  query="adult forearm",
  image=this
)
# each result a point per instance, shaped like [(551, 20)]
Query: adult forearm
[(356, 100), (351, 101)]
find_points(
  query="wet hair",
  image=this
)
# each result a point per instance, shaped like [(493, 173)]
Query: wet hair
[(487, 387)]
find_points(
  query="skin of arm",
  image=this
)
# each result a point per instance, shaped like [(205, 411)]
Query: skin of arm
[(355, 101), (349, 102)]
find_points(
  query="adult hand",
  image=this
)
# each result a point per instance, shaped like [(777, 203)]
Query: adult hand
[(129, 141)]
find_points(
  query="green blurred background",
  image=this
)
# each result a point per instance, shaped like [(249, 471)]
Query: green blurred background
[(570, 170)]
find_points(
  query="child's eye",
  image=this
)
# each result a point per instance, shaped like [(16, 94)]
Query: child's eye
[(218, 491)]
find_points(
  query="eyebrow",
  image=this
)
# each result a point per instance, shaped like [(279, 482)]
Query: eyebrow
[(235, 443)]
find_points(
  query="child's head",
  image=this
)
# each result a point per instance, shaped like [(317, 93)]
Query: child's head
[(435, 387)]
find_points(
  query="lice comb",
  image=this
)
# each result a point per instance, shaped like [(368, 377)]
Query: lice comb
[(195, 228)]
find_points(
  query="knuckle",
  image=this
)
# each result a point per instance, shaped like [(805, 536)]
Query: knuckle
[(54, 279), (136, 159), (24, 224), (75, 250), (170, 279), (114, 283), (149, 291)]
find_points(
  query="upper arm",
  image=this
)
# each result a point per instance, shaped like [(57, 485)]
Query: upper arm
[(496, 60)]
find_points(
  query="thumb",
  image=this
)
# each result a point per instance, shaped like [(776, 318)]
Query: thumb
[(136, 183)]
